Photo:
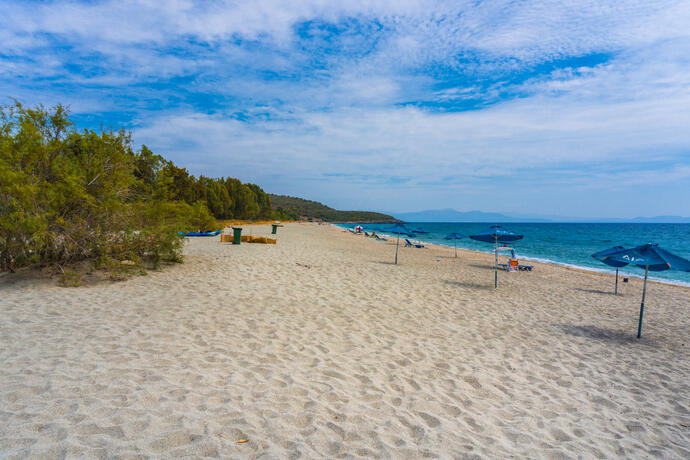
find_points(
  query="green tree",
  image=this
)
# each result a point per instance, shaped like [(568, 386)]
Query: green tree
[(68, 195)]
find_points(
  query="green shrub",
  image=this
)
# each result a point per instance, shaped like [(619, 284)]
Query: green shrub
[(68, 196), (70, 278)]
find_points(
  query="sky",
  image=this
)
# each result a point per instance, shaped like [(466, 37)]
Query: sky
[(571, 108)]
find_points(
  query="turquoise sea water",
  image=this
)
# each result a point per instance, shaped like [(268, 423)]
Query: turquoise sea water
[(568, 244)]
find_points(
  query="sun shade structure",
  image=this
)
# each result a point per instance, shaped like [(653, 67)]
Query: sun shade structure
[(651, 257), (454, 237), (601, 257), (398, 229), (496, 234)]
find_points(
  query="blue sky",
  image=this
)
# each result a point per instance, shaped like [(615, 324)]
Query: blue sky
[(571, 108)]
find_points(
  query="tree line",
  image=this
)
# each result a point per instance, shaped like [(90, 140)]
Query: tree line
[(69, 195), (294, 208)]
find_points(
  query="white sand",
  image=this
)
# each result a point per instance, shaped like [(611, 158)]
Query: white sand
[(319, 347)]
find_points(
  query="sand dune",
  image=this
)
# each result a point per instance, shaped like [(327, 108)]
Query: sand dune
[(320, 347)]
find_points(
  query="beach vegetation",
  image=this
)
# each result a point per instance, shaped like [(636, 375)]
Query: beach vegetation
[(70, 278), (69, 195)]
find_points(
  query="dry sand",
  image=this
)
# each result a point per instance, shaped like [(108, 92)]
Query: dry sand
[(319, 347)]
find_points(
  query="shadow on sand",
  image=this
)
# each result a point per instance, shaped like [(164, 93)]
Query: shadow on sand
[(469, 285), (599, 291), (383, 262), (602, 334), (481, 266)]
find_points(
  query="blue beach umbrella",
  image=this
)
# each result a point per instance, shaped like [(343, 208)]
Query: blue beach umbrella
[(496, 234), (398, 229), (601, 257), (454, 236), (651, 257)]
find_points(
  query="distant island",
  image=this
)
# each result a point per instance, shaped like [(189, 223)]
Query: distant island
[(452, 215), (293, 208)]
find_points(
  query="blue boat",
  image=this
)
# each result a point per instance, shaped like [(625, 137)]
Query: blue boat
[(217, 232)]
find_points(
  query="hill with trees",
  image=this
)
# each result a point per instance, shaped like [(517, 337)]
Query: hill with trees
[(293, 208)]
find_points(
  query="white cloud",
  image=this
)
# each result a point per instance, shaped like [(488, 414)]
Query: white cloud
[(532, 133), (338, 107)]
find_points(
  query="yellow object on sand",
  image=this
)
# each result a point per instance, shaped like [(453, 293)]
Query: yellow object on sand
[(242, 441), (258, 239)]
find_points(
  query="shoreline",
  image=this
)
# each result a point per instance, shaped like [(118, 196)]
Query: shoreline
[(554, 263)]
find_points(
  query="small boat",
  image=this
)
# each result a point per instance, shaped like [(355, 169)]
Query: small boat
[(217, 232)]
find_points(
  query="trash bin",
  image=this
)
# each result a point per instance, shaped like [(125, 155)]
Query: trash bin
[(237, 235), (275, 229)]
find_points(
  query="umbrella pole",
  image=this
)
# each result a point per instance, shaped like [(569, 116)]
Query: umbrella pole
[(496, 264), (644, 291), (616, 281), (396, 249), (455, 245)]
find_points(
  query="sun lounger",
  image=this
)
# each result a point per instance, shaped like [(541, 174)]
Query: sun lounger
[(513, 265), (408, 243), (522, 268)]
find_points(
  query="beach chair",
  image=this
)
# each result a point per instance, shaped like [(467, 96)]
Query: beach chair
[(525, 268), (513, 265), (409, 244)]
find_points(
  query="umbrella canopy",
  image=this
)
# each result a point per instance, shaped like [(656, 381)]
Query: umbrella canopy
[(454, 236), (651, 257), (398, 229), (601, 256), (496, 234)]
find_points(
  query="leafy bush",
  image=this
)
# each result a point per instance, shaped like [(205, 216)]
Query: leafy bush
[(68, 196), (70, 278)]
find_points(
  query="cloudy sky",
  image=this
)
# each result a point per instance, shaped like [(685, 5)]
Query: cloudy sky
[(572, 108)]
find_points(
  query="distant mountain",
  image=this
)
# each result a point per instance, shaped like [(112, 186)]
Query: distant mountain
[(662, 220), (294, 207), (452, 215)]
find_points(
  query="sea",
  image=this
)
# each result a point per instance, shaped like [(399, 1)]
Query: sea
[(567, 244)]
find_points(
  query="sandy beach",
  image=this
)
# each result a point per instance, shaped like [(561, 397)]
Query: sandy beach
[(320, 347)]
